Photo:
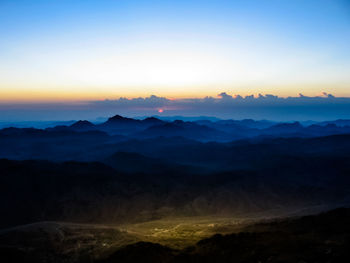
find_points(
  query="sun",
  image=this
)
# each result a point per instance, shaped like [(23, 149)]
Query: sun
[(160, 110)]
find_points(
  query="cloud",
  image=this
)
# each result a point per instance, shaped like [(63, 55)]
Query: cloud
[(268, 106), (151, 100), (225, 96), (327, 95), (225, 105)]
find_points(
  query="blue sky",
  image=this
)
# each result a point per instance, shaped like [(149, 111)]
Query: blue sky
[(58, 59), (83, 50)]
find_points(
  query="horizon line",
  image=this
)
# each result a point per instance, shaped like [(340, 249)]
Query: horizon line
[(321, 95)]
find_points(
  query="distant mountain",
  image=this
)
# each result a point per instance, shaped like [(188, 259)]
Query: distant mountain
[(340, 123), (249, 123), (129, 171), (59, 143), (284, 128), (56, 132), (34, 124), (83, 126), (120, 119), (151, 121), (234, 129), (297, 130), (187, 118), (127, 126), (182, 142), (204, 129), (180, 128)]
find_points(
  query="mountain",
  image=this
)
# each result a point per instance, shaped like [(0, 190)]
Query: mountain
[(185, 143), (117, 119), (83, 126), (204, 129), (49, 144), (152, 121), (318, 238), (131, 190), (190, 130), (340, 122), (284, 128), (127, 126), (60, 242), (248, 123), (130, 162), (241, 178)]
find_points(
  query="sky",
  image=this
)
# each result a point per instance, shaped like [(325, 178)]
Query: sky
[(74, 52)]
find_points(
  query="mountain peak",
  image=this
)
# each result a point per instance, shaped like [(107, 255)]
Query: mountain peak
[(116, 117), (82, 124), (119, 118)]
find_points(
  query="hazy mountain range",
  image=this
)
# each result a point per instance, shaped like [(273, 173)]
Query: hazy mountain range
[(131, 172)]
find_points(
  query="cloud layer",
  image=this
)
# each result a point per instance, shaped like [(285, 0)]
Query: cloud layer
[(227, 106)]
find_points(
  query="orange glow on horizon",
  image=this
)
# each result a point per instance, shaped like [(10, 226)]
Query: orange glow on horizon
[(81, 94)]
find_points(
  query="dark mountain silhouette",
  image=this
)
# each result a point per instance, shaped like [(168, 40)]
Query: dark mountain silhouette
[(204, 130), (83, 126), (127, 126), (340, 122), (284, 128), (180, 128), (187, 147), (152, 121), (117, 119), (248, 123)]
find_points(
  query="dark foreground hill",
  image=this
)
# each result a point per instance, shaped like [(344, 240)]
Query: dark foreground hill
[(320, 238), (32, 191)]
